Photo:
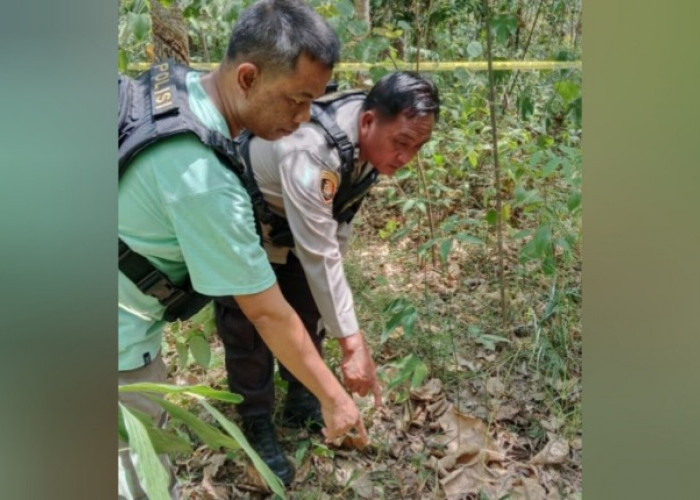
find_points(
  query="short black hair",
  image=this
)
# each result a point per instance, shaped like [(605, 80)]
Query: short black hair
[(403, 92), (274, 33)]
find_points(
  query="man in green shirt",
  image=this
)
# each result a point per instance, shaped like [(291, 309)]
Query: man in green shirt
[(188, 214)]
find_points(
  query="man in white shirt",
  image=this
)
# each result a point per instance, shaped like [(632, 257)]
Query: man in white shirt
[(299, 177)]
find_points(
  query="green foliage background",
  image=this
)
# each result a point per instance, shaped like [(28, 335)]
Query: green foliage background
[(641, 268), (442, 207)]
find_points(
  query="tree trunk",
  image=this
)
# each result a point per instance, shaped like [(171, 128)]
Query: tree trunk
[(362, 11), (169, 33)]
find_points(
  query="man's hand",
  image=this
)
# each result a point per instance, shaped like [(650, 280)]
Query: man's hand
[(359, 372), (340, 418)]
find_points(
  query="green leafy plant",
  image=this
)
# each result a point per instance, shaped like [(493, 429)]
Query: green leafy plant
[(193, 337), (402, 313), (140, 433)]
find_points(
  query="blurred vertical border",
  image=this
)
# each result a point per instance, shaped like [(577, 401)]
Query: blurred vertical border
[(58, 197)]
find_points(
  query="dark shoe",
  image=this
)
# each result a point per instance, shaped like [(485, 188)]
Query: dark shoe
[(302, 409), (262, 435)]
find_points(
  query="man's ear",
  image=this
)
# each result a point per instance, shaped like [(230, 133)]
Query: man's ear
[(367, 118), (247, 74)]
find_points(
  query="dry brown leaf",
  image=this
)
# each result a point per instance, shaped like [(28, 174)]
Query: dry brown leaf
[(462, 430), (363, 486), (347, 442), (555, 452), (428, 391), (552, 424), (507, 411), (343, 472), (419, 415), (396, 449), (438, 407), (495, 386), (253, 481), (416, 444), (213, 464), (187, 378), (470, 480), (214, 492), (577, 444), (527, 488), (467, 455)]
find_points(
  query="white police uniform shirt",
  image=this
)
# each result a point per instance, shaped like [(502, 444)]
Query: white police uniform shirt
[(299, 176)]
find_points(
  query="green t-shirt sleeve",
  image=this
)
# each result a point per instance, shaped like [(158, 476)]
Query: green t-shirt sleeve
[(212, 218)]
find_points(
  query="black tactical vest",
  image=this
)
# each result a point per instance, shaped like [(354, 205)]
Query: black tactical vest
[(154, 106)]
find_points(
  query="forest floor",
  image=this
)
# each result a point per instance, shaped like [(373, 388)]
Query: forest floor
[(473, 410)]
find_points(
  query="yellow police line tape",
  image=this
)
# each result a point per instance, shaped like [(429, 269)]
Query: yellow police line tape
[(423, 66)]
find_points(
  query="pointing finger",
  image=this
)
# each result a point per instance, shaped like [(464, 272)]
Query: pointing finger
[(377, 391)]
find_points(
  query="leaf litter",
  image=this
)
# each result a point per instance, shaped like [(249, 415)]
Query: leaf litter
[(494, 432)]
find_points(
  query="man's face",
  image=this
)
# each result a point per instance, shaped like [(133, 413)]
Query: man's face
[(389, 144), (278, 103)]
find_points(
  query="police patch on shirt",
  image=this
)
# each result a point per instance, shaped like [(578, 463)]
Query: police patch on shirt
[(329, 186)]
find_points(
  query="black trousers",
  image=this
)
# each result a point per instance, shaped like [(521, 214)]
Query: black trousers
[(249, 362)]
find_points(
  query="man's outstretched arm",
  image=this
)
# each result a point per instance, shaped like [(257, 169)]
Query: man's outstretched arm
[(284, 333)]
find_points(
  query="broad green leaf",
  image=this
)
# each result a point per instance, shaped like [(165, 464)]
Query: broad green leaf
[(201, 351), (576, 111), (122, 61), (167, 442), (466, 238), (492, 217), (404, 369), (504, 25), (321, 450), (183, 353), (567, 89), (574, 201), (549, 265), (489, 341), (522, 234), (409, 320), (357, 27), (139, 25), (152, 475), (270, 478), (472, 157), (523, 197), (419, 373), (404, 25), (198, 390), (474, 330), (445, 248), (345, 8), (211, 436), (537, 246), (387, 32), (551, 166), (564, 245), (166, 3), (163, 441), (302, 448), (396, 305), (203, 315), (474, 49), (536, 158), (390, 325), (192, 12), (526, 105)]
